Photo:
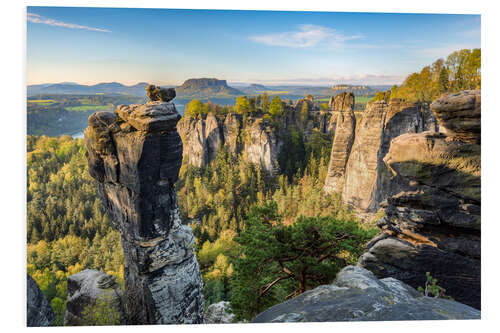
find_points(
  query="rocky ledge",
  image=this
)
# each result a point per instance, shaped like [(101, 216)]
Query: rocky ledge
[(85, 289), (135, 154), (357, 295), (433, 224)]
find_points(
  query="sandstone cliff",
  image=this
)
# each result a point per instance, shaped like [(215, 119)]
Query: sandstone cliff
[(364, 181), (433, 223), (342, 142), (357, 295), (135, 155)]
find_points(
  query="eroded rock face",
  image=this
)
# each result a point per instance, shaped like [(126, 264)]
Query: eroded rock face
[(262, 146), (357, 295), (367, 180), (342, 143), (433, 223), (85, 289), (460, 115), (135, 154), (219, 313), (39, 312)]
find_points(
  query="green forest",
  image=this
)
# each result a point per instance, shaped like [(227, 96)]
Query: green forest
[(460, 71), (68, 231), (261, 238)]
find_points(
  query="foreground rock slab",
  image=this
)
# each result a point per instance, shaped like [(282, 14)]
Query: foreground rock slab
[(135, 155), (357, 295), (39, 311)]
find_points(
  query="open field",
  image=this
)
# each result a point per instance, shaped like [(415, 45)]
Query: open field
[(84, 108), (42, 101)]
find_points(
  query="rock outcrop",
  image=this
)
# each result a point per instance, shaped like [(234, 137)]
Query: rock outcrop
[(219, 313), (203, 137), (342, 142), (357, 295), (39, 312), (364, 181), (262, 145), (86, 289), (433, 223), (135, 155)]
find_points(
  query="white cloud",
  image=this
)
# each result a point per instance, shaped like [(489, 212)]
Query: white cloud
[(307, 35), (35, 18)]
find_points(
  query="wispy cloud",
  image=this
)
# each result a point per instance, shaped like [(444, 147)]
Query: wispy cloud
[(35, 18), (307, 35)]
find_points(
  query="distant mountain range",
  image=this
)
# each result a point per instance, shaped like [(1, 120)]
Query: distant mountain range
[(198, 88)]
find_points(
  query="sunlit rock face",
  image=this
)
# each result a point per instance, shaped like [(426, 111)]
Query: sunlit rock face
[(433, 224), (356, 168), (135, 154)]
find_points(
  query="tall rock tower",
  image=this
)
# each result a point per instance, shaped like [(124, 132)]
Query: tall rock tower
[(135, 154)]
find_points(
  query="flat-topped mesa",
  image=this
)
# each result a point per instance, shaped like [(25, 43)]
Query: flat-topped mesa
[(433, 222), (342, 142), (135, 155)]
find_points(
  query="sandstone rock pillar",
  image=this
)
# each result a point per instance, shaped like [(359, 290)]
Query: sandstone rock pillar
[(135, 154)]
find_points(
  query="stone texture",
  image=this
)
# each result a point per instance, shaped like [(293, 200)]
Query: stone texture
[(341, 149), (262, 145), (85, 289), (433, 223), (160, 94), (39, 312), (136, 168), (367, 179), (219, 313), (357, 295), (460, 115)]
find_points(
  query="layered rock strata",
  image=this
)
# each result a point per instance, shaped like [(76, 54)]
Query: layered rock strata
[(433, 223), (357, 295), (342, 142), (39, 312), (135, 154), (363, 180), (85, 290)]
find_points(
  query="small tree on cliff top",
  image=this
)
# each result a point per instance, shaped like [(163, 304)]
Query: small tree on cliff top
[(276, 107), (281, 261)]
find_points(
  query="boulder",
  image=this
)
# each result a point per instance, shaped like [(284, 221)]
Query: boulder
[(39, 312), (88, 287), (460, 115), (219, 313), (136, 160), (357, 295)]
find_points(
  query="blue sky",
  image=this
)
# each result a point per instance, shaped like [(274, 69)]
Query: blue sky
[(92, 45)]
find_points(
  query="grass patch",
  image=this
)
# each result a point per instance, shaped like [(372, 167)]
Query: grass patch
[(85, 108), (42, 101)]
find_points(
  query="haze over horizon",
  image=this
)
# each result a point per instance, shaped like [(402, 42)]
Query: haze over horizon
[(166, 47)]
